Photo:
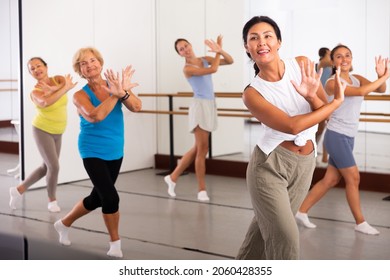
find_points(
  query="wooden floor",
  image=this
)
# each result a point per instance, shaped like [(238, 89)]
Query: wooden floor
[(156, 227)]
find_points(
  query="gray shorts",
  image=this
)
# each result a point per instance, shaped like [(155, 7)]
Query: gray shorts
[(340, 149)]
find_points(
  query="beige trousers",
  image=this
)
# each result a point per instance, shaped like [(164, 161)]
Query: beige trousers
[(277, 184)]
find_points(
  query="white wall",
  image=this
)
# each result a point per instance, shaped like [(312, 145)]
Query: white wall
[(378, 43), (114, 27)]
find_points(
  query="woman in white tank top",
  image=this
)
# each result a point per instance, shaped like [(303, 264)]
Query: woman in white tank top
[(287, 98)]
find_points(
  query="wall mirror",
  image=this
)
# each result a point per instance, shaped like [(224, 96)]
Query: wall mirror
[(306, 26)]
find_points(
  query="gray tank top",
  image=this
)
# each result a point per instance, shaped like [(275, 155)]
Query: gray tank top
[(345, 119)]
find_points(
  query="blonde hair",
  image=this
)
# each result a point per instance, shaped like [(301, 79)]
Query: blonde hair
[(78, 56)]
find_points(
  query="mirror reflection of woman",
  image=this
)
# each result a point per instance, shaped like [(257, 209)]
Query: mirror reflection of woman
[(50, 99), (340, 136), (324, 63), (202, 113)]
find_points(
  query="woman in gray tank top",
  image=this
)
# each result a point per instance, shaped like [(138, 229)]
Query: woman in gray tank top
[(340, 135)]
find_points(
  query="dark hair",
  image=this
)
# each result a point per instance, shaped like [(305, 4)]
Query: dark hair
[(322, 52), (332, 55), (36, 57), (253, 21), (179, 40)]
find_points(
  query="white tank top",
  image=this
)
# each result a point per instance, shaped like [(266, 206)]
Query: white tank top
[(283, 95)]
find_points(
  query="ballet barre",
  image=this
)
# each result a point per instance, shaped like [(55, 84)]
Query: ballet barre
[(171, 113), (186, 113), (8, 89), (384, 120), (239, 112), (8, 81), (377, 97), (170, 106)]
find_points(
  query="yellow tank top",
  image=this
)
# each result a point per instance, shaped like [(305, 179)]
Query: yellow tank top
[(52, 119)]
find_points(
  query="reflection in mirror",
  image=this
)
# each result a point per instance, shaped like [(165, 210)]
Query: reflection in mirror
[(9, 93), (371, 146), (371, 151)]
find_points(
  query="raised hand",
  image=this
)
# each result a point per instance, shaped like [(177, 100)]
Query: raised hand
[(127, 74), (339, 87), (69, 84), (219, 40), (381, 66), (46, 88), (310, 80), (114, 83), (214, 46)]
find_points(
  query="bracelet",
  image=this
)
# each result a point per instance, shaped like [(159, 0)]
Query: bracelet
[(127, 95)]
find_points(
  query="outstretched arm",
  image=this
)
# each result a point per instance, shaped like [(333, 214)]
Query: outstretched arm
[(89, 112), (190, 70), (277, 119), (115, 89), (46, 95), (226, 58), (121, 88), (366, 86)]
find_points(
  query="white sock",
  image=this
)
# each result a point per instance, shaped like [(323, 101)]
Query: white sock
[(366, 228), (63, 232), (202, 196), (303, 219), (115, 249), (53, 207), (15, 196), (171, 185)]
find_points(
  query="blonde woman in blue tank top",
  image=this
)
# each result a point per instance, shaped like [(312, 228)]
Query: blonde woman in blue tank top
[(101, 141), (202, 114), (50, 99), (340, 135)]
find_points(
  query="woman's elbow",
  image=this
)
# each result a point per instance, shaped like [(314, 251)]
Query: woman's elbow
[(213, 69), (93, 117), (137, 107), (41, 105), (381, 89), (291, 130), (294, 128)]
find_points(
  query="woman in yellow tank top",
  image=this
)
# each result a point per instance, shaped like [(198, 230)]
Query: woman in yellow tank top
[(50, 99)]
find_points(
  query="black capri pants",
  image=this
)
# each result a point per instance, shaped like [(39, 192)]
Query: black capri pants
[(103, 174)]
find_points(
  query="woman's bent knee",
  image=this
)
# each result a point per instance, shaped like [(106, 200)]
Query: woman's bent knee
[(110, 205)]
